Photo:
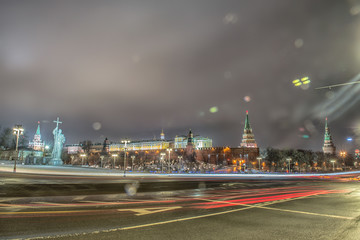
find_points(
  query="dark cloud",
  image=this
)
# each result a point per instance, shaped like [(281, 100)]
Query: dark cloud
[(138, 66)]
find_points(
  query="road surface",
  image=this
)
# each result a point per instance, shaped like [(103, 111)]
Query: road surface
[(191, 209)]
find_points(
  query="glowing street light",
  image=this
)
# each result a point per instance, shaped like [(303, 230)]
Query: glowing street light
[(289, 160), (162, 156), (82, 158), (125, 142), (114, 156), (132, 162), (169, 150), (17, 130), (101, 160), (259, 159), (333, 162), (343, 155), (181, 162)]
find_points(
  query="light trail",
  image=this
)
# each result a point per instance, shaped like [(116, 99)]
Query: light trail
[(244, 207), (228, 203), (264, 206), (260, 196)]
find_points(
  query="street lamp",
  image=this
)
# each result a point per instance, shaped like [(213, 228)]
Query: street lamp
[(343, 155), (259, 159), (101, 161), (169, 150), (82, 158), (125, 142), (17, 130), (132, 162), (333, 162), (162, 156), (289, 160), (181, 162), (114, 156)]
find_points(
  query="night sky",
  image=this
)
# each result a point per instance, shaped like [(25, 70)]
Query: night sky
[(127, 69)]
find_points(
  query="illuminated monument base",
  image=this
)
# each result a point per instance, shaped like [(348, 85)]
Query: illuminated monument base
[(55, 162)]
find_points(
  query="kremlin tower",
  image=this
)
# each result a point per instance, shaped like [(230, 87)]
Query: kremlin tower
[(162, 135), (37, 144), (190, 140), (329, 147), (248, 139), (190, 153)]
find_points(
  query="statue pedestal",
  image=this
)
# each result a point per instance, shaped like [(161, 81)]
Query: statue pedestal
[(56, 162)]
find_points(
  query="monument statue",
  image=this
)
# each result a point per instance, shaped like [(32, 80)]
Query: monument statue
[(59, 140)]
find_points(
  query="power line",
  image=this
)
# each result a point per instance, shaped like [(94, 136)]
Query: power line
[(338, 85)]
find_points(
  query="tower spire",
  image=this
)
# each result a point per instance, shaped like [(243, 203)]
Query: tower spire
[(38, 129), (247, 122), (248, 139), (329, 147)]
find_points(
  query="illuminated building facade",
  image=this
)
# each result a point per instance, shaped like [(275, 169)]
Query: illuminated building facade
[(198, 142), (140, 145), (73, 148), (37, 144), (189, 148), (162, 143), (329, 147)]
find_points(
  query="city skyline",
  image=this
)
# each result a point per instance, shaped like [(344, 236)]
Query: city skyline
[(163, 136)]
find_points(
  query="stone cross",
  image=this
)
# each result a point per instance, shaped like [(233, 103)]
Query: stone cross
[(57, 122)]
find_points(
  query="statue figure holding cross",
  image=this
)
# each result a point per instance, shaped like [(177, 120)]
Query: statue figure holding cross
[(59, 140)]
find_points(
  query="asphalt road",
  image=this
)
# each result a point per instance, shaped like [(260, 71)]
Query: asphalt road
[(207, 209)]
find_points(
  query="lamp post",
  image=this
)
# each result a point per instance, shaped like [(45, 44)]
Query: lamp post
[(101, 161), (289, 160), (333, 162), (169, 150), (125, 142), (162, 156), (17, 130), (82, 158), (114, 156), (180, 161), (259, 159), (132, 162), (343, 155), (46, 149)]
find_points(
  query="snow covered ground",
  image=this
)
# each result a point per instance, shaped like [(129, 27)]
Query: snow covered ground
[(7, 166)]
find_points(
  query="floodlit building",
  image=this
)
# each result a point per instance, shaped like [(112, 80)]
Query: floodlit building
[(162, 143), (197, 141), (73, 148), (188, 148), (140, 145)]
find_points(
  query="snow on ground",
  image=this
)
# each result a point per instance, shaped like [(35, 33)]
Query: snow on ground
[(7, 166)]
